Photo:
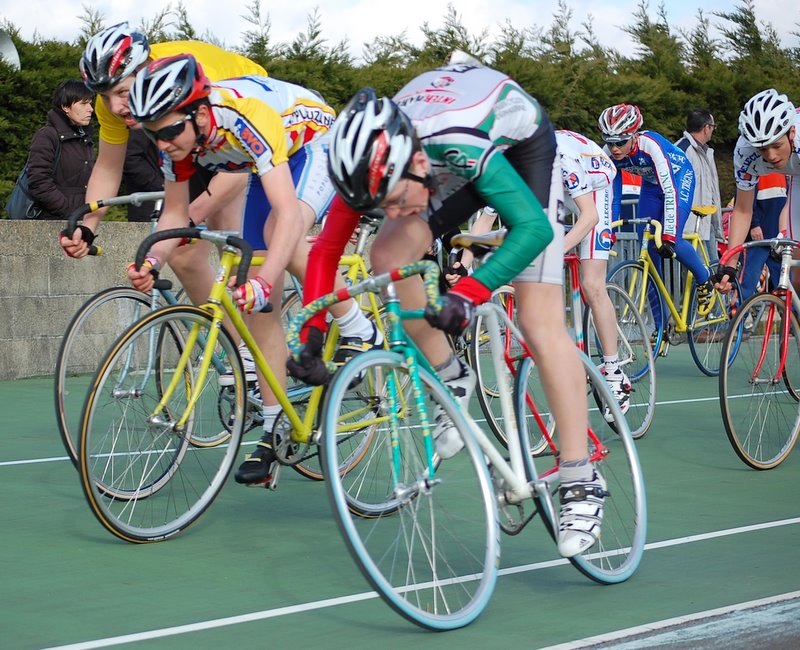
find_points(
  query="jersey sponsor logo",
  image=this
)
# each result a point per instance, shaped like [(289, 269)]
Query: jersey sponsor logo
[(306, 114), (443, 81), (599, 162), (459, 160), (426, 98), (513, 103), (249, 138), (571, 180), (686, 186), (744, 176), (603, 240)]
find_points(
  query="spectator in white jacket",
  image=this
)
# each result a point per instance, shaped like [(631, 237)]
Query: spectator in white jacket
[(700, 127)]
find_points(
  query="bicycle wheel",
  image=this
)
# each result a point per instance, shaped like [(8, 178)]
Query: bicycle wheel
[(428, 545), (760, 408), (635, 358), (706, 333), (479, 357), (617, 554), (147, 475), (630, 276), (90, 333)]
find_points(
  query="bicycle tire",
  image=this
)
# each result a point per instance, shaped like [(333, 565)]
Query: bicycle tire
[(760, 411), (630, 276), (618, 552), (91, 331), (706, 333), (479, 357), (635, 358), (429, 548), (143, 476)]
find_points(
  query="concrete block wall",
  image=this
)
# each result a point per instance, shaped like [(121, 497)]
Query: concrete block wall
[(41, 288)]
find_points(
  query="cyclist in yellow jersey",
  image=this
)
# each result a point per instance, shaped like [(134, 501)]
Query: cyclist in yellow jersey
[(274, 135), (108, 65)]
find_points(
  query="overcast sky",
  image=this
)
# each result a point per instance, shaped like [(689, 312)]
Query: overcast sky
[(359, 21)]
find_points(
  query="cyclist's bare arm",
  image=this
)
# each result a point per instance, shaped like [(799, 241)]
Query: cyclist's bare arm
[(103, 183), (105, 179), (587, 219), (739, 224), (287, 223), (738, 227), (223, 189), (783, 218), (174, 215), (481, 226)]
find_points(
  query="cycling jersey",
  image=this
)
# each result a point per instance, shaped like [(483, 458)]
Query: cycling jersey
[(586, 169), (217, 64), (666, 175), (471, 121), (258, 123)]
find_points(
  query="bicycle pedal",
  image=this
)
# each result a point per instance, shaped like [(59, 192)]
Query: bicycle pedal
[(272, 478)]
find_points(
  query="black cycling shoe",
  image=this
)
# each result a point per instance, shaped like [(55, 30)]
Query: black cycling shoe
[(257, 466)]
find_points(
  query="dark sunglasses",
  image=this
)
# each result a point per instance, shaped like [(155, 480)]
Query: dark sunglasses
[(168, 133), (618, 143)]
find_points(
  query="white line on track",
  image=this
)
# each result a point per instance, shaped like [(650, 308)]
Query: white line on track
[(344, 600), (678, 621)]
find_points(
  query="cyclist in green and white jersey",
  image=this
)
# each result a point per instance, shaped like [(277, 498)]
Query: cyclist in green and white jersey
[(451, 141)]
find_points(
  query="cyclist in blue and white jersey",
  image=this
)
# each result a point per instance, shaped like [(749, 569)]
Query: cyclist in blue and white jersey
[(769, 142), (451, 141), (667, 188)]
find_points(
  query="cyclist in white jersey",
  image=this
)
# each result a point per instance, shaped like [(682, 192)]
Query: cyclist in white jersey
[(451, 141), (587, 174), (769, 142), (276, 134)]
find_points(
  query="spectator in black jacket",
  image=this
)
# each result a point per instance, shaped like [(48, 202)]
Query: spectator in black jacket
[(141, 173), (61, 188)]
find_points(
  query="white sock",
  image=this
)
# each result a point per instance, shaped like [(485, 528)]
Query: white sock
[(355, 324), (270, 414), (611, 364), (571, 471), (450, 369)]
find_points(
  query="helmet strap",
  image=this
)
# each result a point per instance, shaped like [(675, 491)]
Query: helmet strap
[(427, 180)]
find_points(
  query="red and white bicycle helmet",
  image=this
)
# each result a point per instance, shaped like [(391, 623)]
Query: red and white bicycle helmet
[(111, 55), (620, 122), (167, 85), (371, 147), (766, 117)]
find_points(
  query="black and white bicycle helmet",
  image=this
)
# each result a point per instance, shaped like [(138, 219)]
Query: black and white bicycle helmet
[(167, 85), (620, 122), (371, 147), (112, 55), (766, 117)]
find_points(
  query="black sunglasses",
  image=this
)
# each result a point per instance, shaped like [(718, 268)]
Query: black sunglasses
[(618, 143), (168, 133)]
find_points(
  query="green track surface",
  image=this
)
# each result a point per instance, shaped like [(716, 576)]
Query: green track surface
[(269, 569)]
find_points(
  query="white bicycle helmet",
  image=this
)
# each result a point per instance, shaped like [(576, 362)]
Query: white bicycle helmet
[(167, 85), (112, 55), (620, 122), (766, 117), (371, 147)]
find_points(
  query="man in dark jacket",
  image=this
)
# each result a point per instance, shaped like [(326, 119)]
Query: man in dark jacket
[(60, 188)]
